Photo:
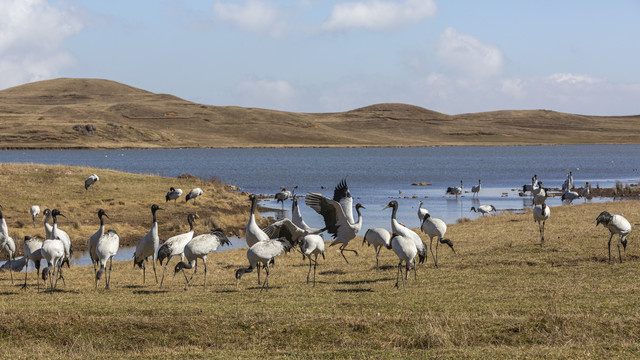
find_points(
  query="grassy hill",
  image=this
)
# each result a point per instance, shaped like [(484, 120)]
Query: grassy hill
[(93, 113)]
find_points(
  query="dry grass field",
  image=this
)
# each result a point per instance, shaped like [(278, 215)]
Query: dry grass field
[(92, 113), (500, 296)]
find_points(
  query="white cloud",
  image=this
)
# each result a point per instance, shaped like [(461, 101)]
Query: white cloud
[(32, 35), (377, 14), (467, 56), (272, 94), (252, 15), (567, 78)]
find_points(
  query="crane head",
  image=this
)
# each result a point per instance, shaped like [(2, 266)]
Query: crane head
[(392, 204), (605, 218)]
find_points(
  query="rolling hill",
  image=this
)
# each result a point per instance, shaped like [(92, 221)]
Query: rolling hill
[(94, 113)]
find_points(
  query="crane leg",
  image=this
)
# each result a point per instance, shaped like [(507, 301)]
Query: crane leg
[(195, 270), (377, 254), (154, 268), (610, 248), (258, 265), (108, 277), (26, 271), (204, 289), (309, 273), (38, 276), (314, 271), (163, 271), (398, 273), (619, 254), (431, 250), (266, 280), (144, 271), (11, 266), (415, 270)]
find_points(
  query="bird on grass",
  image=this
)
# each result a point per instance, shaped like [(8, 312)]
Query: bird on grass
[(541, 214), (616, 224), (398, 229), (263, 252), (422, 212), (312, 244), (6, 243), (32, 251), (34, 211), (193, 194), (406, 250), (174, 194), (174, 246), (92, 243), (53, 250), (483, 209), (106, 249), (198, 248), (90, 181), (435, 227), (148, 246), (379, 238)]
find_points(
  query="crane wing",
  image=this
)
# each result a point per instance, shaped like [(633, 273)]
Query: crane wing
[(330, 210), (284, 229), (342, 195)]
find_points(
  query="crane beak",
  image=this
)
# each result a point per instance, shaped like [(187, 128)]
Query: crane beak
[(384, 208), (105, 214)]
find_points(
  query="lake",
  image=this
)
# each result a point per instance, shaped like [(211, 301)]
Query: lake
[(375, 175)]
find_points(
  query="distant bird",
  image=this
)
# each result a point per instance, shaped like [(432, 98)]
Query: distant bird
[(541, 197), (263, 252), (283, 195), (483, 209), (435, 227), (421, 212), (568, 183), (32, 251), (6, 243), (616, 224), (569, 196), (312, 244), (193, 194), (379, 238), (53, 250), (92, 243), (198, 248), (174, 246), (338, 215), (90, 181), (531, 187), (296, 218), (476, 188), (60, 234), (586, 191), (34, 211), (541, 214), (106, 249), (455, 190), (148, 246), (398, 229), (406, 250), (174, 194)]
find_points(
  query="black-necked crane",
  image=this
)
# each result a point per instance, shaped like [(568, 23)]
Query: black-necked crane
[(53, 250), (475, 189), (568, 183), (174, 246), (534, 186), (569, 196), (253, 231), (483, 209), (148, 246), (6, 243), (263, 252), (398, 229), (405, 249), (90, 181), (296, 218), (34, 211), (455, 190), (379, 238), (106, 249), (616, 224), (586, 191), (283, 195), (541, 214), (338, 215), (198, 248), (435, 227), (193, 194), (312, 244), (60, 235), (421, 212), (541, 197), (174, 194), (93, 241), (32, 248)]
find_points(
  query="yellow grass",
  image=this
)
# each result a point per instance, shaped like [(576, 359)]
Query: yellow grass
[(501, 296)]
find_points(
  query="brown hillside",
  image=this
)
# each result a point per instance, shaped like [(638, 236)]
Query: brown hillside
[(92, 113)]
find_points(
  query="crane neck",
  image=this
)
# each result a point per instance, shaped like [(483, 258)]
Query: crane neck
[(359, 215)]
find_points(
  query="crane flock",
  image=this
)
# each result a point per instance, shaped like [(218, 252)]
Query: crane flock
[(264, 244)]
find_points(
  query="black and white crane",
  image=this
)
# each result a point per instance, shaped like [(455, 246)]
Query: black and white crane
[(568, 196), (106, 249), (568, 183), (90, 181), (174, 194), (296, 218), (421, 212), (174, 246), (34, 211), (6, 243), (193, 194), (60, 234), (542, 195), (263, 252), (475, 189), (541, 214), (379, 238), (53, 250), (455, 190), (148, 246), (586, 191), (253, 231), (312, 244), (534, 186), (616, 224), (435, 227), (483, 209), (405, 249), (32, 251), (398, 229), (338, 215), (283, 195), (92, 243), (198, 248)]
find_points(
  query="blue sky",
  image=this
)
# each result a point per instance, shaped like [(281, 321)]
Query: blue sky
[(450, 56)]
